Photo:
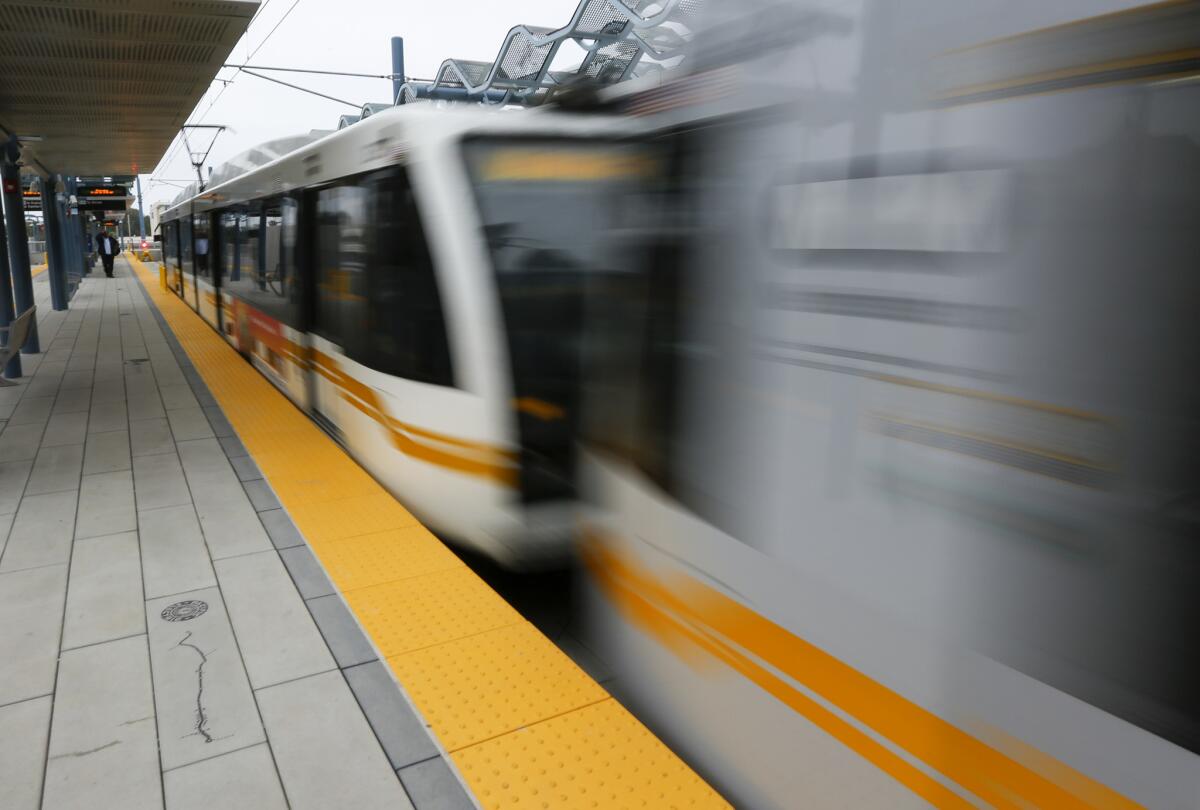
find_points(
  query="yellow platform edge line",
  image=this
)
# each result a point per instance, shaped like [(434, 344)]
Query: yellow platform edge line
[(566, 743)]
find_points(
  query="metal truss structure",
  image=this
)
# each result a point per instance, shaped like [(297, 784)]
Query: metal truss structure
[(619, 39)]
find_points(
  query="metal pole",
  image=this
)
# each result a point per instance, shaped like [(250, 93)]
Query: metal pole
[(7, 310), (397, 68), (18, 245), (141, 211), (57, 265)]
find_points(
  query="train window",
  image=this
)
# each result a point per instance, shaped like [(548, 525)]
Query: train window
[(341, 266), (405, 324), (170, 244), (228, 246), (266, 277), (201, 244), (185, 243), (556, 216), (242, 268)]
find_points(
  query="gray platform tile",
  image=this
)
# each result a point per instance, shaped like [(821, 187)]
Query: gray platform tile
[(20, 442), (145, 405), (13, 475), (432, 786), (175, 397), (106, 505), (205, 398), (40, 386), (194, 724), (174, 557), (218, 422), (41, 532), (31, 603), (103, 747), (56, 469), (32, 410), (53, 364), (104, 593), (24, 731), (5, 524), (260, 495), (245, 468), (169, 376), (324, 749), (107, 390), (158, 481), (81, 379), (226, 515), (108, 372), (307, 574), (106, 452), (232, 446), (280, 528), (404, 737), (65, 428), (108, 415), (188, 424), (345, 638), (148, 437), (278, 637), (241, 779), (72, 400)]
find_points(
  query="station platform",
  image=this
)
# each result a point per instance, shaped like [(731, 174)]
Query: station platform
[(205, 603)]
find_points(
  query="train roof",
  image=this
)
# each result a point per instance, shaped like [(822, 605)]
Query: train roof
[(389, 137)]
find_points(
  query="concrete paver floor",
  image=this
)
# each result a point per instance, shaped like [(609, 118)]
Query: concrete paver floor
[(155, 650)]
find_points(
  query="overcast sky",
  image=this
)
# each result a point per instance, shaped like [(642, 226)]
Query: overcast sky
[(349, 35)]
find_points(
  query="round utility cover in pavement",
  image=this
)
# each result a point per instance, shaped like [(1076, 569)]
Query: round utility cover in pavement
[(184, 611)]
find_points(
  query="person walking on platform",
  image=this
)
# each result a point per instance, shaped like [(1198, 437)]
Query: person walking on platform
[(108, 248)]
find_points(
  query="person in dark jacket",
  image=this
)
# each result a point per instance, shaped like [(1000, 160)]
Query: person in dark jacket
[(108, 249)]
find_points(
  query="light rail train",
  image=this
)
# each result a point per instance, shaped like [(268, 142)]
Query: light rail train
[(891, 446), (413, 282)]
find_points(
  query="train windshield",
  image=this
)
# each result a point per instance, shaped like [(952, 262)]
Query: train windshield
[(557, 218)]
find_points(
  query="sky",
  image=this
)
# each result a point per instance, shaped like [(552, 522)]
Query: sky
[(346, 35)]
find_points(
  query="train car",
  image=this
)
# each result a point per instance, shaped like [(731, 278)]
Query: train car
[(413, 282), (892, 450)]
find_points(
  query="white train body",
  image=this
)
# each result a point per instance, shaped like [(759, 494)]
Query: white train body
[(302, 250), (892, 459)]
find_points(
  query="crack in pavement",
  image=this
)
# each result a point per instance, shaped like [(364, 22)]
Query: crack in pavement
[(201, 715), (89, 751)]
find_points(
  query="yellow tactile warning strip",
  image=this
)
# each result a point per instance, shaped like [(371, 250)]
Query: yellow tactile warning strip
[(525, 726)]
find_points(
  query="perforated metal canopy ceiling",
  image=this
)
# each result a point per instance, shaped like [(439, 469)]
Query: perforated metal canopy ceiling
[(106, 84)]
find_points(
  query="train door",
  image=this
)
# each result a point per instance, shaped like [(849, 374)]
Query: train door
[(183, 285), (170, 254), (204, 239), (339, 265), (228, 267)]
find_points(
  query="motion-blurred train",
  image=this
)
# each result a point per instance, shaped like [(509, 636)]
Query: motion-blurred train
[(414, 283), (892, 435)]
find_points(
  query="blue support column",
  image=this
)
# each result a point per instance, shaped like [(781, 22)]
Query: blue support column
[(56, 262), (77, 241), (141, 210), (397, 69), (18, 245), (13, 369)]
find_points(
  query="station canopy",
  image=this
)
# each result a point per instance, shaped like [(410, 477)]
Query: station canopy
[(100, 88)]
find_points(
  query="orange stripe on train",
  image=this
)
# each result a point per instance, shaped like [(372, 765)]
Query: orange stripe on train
[(685, 608)]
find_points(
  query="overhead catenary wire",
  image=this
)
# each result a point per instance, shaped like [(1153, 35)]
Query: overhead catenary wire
[(227, 82), (388, 76), (273, 30), (302, 89)]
